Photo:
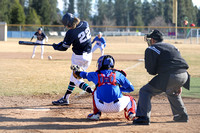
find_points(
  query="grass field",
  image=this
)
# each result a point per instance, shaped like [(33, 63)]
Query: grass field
[(28, 87), (20, 75)]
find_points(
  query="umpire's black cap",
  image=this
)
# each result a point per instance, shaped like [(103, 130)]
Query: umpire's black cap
[(156, 35)]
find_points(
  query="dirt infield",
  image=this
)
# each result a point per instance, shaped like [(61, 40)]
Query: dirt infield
[(36, 114), (29, 86)]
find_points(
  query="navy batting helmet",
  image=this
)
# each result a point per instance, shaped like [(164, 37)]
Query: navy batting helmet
[(68, 19), (40, 29), (105, 62)]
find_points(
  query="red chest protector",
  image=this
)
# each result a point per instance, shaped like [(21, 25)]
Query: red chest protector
[(107, 79)]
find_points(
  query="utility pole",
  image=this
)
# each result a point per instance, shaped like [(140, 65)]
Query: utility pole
[(175, 16), (128, 19)]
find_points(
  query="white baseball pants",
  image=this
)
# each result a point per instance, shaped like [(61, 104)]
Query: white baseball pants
[(124, 102), (83, 61), (96, 46), (42, 48)]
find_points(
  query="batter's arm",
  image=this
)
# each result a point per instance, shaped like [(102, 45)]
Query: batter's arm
[(60, 46)]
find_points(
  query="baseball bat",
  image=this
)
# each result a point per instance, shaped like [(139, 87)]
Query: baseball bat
[(32, 43)]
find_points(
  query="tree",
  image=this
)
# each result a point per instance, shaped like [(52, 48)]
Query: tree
[(84, 8), (17, 14), (135, 12), (121, 13), (181, 12), (168, 11), (65, 7), (32, 17), (160, 6), (101, 7), (146, 12), (5, 10), (68, 6), (71, 6), (110, 10), (53, 11), (198, 17), (43, 9)]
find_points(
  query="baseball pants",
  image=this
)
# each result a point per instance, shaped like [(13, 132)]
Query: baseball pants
[(146, 92), (83, 61), (96, 46), (42, 48), (114, 107)]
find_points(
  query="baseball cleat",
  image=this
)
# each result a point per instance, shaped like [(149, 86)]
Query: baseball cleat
[(61, 102), (142, 120), (94, 117), (33, 56), (181, 118)]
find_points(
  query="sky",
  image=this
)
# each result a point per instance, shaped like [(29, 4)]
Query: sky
[(60, 3)]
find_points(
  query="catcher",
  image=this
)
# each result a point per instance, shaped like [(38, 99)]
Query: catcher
[(110, 83)]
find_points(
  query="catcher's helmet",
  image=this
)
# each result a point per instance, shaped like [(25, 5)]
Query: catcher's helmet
[(105, 62), (68, 19), (156, 35), (40, 29)]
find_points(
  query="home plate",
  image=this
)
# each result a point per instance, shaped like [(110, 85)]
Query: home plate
[(140, 59), (38, 109)]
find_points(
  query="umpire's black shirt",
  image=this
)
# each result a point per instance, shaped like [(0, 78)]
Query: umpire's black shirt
[(163, 59)]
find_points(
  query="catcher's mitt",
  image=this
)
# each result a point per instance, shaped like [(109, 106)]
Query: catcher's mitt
[(76, 71)]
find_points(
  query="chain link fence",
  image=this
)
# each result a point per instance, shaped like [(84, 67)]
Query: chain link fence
[(190, 34)]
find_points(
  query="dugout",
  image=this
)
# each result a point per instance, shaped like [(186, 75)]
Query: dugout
[(3, 31)]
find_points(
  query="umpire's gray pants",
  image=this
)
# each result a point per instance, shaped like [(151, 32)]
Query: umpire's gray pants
[(146, 92)]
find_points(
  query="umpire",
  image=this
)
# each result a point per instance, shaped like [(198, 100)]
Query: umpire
[(164, 61)]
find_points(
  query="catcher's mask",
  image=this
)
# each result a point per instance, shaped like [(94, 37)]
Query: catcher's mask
[(154, 34), (105, 62), (68, 19)]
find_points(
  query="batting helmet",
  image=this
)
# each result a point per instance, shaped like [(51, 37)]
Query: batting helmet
[(68, 19), (105, 62), (40, 29)]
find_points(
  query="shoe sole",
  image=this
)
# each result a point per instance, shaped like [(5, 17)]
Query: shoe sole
[(181, 121), (141, 123), (60, 104), (92, 119)]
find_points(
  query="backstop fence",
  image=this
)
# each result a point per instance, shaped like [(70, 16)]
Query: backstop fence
[(26, 31)]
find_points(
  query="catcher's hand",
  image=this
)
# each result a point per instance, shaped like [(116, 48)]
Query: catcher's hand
[(76, 71)]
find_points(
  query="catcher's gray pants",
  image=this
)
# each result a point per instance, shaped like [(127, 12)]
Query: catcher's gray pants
[(146, 92)]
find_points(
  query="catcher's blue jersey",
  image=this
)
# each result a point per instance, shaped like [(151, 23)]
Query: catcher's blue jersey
[(109, 92), (80, 38), (99, 41)]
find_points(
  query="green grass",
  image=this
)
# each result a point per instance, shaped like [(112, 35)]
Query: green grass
[(194, 88), (39, 77)]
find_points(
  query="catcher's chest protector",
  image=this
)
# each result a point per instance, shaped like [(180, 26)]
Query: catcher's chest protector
[(107, 79)]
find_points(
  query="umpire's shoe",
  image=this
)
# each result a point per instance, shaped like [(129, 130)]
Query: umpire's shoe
[(61, 102), (142, 120), (181, 118)]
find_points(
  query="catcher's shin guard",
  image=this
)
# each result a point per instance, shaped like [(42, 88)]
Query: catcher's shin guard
[(95, 109), (131, 113)]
